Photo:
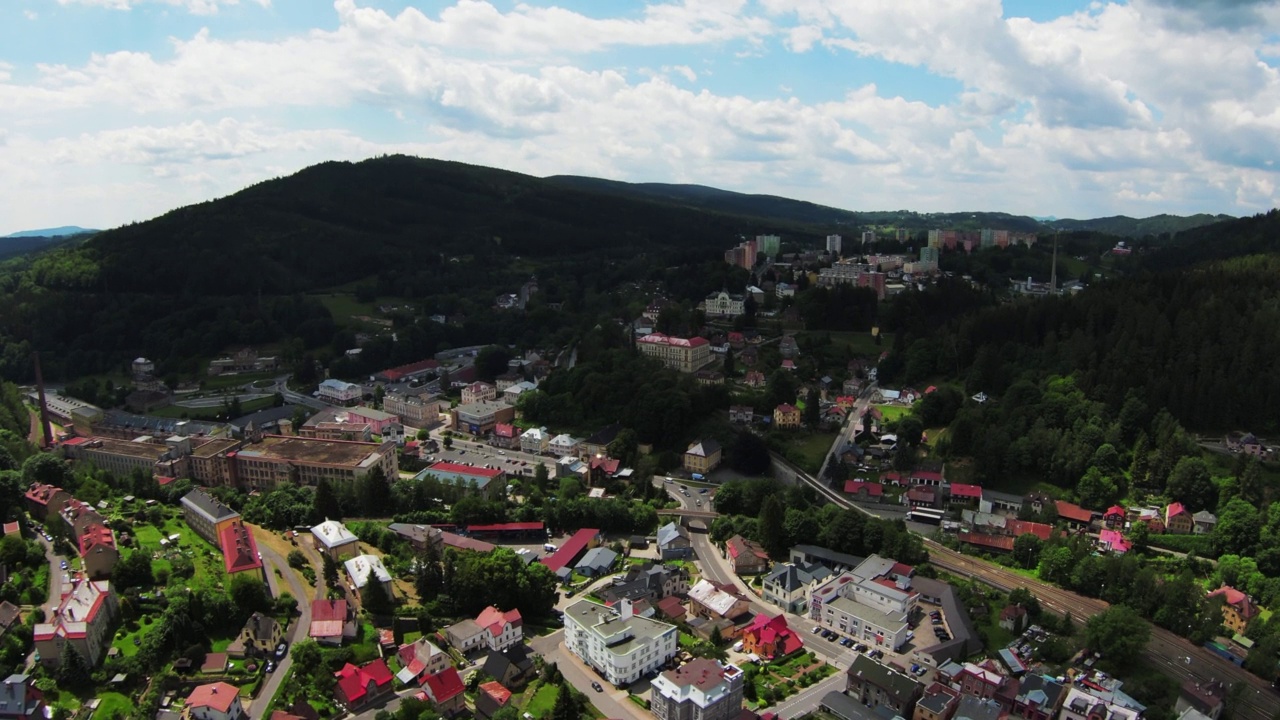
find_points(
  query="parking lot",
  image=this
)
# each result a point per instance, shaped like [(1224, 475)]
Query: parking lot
[(513, 462)]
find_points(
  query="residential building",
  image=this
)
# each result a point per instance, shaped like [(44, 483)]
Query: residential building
[(709, 601), (754, 378), (742, 414), (743, 256), (479, 418), (415, 407), (983, 681), (618, 644), (11, 615), (215, 701), (650, 581), (724, 305), (597, 562), (1081, 705), (1178, 519), (864, 491), (1206, 698), (975, 708), (862, 623), (490, 698), (239, 549), (419, 659), (769, 245), (446, 692), (1013, 618), (876, 685), (506, 436), (683, 354), (337, 392), (84, 619), (535, 441), (703, 689), (833, 244), (786, 416), (465, 635), (1076, 517), (332, 622), (937, 702), (500, 629), (834, 561), (364, 569), (702, 457), (674, 542), (245, 360), (359, 687), (1038, 697), (1238, 609), (332, 538), (788, 585), (98, 553), (486, 482), (1205, 522), (478, 392), (259, 637), (770, 637), (511, 667), (20, 699), (564, 446), (746, 556), (45, 501)]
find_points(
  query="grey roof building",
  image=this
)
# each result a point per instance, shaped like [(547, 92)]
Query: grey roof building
[(651, 582), (814, 555), (204, 513), (597, 561), (874, 684), (975, 708), (674, 542), (787, 585)]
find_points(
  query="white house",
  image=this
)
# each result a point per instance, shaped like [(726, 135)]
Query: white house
[(617, 643), (216, 701), (501, 629), (363, 569), (535, 441), (338, 392), (335, 540), (564, 445)]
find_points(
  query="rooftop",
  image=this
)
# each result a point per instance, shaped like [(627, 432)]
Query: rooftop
[(217, 696), (619, 636), (332, 533), (239, 549), (208, 506), (660, 339), (311, 451), (362, 566)]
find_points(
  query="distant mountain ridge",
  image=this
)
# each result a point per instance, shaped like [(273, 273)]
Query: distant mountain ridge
[(776, 208), (56, 232)]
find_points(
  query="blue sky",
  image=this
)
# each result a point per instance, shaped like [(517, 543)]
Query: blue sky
[(114, 111)]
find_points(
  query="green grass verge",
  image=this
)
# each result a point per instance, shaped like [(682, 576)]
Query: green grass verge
[(808, 450), (111, 705), (542, 701)]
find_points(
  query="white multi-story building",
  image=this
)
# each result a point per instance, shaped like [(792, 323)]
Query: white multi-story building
[(334, 539), (867, 603), (478, 392), (564, 445), (769, 245), (683, 354), (617, 643), (415, 409), (501, 629), (366, 569), (338, 392), (703, 689), (868, 236), (833, 244), (724, 305), (535, 441), (83, 619), (1080, 705)]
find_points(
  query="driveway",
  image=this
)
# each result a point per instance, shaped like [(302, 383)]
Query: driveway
[(55, 586)]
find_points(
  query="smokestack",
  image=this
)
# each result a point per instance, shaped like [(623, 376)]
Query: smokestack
[(44, 406)]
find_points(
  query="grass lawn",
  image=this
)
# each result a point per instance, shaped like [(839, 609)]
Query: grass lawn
[(222, 382), (148, 536), (365, 648), (862, 343), (892, 413), (177, 411), (113, 704), (542, 701), (124, 640), (809, 450)]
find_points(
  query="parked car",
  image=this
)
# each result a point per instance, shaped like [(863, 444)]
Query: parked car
[(597, 686), (817, 629)]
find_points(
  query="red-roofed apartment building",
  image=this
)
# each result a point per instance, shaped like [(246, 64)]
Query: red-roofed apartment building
[(358, 687), (445, 691), (331, 622), (683, 354), (83, 619), (215, 701), (1076, 517), (770, 637), (98, 551), (491, 698), (747, 557), (45, 500), (1178, 520), (1237, 608), (239, 550)]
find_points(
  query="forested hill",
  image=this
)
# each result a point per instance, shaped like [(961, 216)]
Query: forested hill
[(1157, 225), (1199, 340), (338, 222)]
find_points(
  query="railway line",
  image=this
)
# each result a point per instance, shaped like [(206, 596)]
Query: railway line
[(1173, 654)]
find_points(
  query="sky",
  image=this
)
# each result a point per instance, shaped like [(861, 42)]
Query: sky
[(115, 111)]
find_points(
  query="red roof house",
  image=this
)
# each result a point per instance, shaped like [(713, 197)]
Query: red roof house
[(359, 686), (770, 637), (491, 698), (962, 493), (329, 622), (12, 528), (1023, 527), (215, 701), (445, 690), (1177, 519), (672, 608), (1114, 517), (864, 488), (1113, 541), (747, 557), (239, 550), (572, 549)]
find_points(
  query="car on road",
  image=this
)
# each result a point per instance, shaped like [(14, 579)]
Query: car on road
[(860, 647), (271, 666), (703, 491), (817, 629), (875, 654), (281, 649), (64, 564), (669, 481), (597, 686)]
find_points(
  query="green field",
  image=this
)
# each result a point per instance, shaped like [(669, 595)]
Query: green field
[(222, 382), (344, 307), (111, 705), (892, 413), (179, 412), (542, 701), (862, 343)]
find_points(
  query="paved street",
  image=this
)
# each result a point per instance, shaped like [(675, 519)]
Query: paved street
[(55, 586), (301, 626), (807, 700)]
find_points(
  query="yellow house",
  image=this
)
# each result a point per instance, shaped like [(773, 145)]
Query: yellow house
[(702, 456), (1237, 608), (786, 416)]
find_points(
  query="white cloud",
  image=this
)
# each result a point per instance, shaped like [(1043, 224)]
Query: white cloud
[(1112, 110), (195, 7), (31, 15)]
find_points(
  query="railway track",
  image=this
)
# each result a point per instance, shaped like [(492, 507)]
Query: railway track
[(1168, 651)]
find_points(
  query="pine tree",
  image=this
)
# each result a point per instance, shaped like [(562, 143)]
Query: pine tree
[(73, 671), (330, 572), (566, 707), (325, 503), (375, 599), (772, 533)]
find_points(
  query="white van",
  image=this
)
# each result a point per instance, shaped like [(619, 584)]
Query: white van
[(549, 547)]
